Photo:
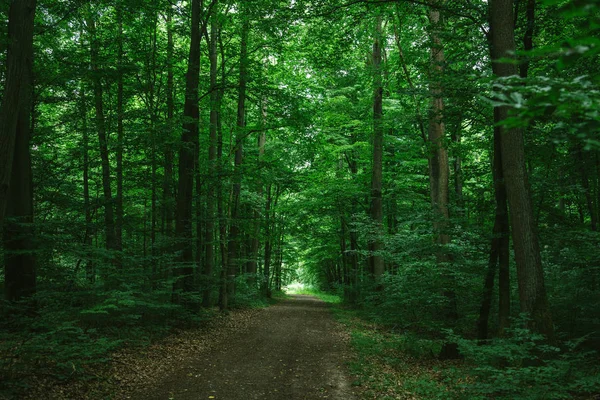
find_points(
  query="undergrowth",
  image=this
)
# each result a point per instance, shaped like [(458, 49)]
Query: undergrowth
[(394, 362), (71, 335)]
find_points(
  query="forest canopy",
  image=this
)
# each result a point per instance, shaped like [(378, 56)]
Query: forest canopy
[(435, 163)]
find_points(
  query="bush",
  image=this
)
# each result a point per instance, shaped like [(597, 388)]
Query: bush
[(523, 366)]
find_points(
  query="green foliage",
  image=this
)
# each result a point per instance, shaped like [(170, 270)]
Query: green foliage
[(523, 366), (331, 298), (247, 294)]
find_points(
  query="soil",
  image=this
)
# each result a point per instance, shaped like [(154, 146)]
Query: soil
[(293, 350)]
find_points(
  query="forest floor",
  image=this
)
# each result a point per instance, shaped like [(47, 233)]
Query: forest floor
[(291, 350)]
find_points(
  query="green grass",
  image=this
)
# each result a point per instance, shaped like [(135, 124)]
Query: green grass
[(393, 365)]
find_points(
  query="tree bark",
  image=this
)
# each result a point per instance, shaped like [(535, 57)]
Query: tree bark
[(530, 276), (183, 273), (212, 166), (119, 167), (233, 240), (16, 185), (499, 251), (376, 244), (87, 241), (17, 89), (109, 218), (255, 241), (439, 170), (168, 195)]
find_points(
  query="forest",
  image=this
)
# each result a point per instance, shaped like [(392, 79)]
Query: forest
[(432, 165)]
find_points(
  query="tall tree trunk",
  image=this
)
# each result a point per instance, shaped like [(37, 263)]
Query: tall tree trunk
[(530, 276), (17, 88), (439, 171), (212, 166), (168, 195), (499, 251), (255, 241), (87, 242), (16, 187), (233, 262), (119, 169), (152, 78), (183, 273), (376, 245), (109, 218)]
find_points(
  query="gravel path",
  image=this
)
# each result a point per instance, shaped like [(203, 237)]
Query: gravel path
[(292, 350)]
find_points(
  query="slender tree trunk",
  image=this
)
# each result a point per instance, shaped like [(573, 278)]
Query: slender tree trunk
[(212, 165), (183, 273), (439, 172), (255, 241), (152, 78), (503, 234), (532, 291), (168, 195), (119, 169), (268, 243), (458, 174), (376, 245), (233, 240), (109, 219), (499, 252), (89, 264)]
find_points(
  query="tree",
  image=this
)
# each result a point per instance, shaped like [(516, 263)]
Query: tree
[(187, 153), (17, 89), (532, 291), (96, 78), (234, 230), (376, 260), (16, 191)]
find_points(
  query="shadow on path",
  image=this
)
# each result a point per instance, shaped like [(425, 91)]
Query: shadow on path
[(292, 350)]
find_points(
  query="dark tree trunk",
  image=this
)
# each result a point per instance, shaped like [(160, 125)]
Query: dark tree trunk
[(499, 252), (530, 276), (109, 218), (212, 165), (376, 244), (17, 89), (19, 257), (528, 37), (87, 241), (252, 267), (183, 273), (119, 169), (234, 229), (168, 195), (457, 164), (439, 173)]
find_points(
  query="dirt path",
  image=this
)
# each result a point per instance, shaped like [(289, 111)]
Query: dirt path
[(293, 350)]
